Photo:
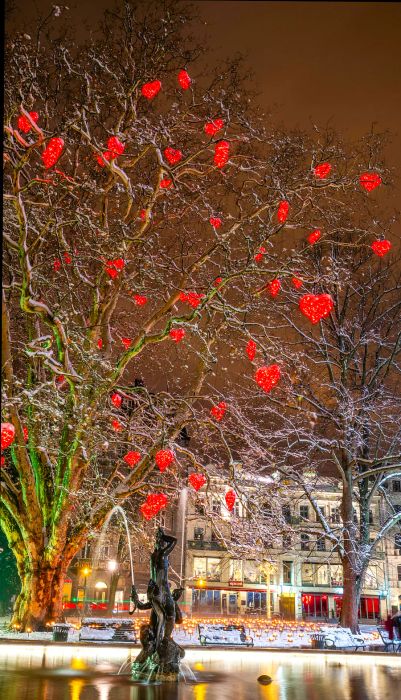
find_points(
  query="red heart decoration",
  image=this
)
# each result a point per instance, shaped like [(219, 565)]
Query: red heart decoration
[(212, 128), (274, 287), (164, 458), (52, 152), (126, 342), (24, 124), (251, 349), (132, 458), (115, 146), (114, 267), (153, 504), (166, 183), (57, 265), (259, 256), (267, 377), (296, 282), (230, 499), (116, 426), (7, 435), (282, 211), (197, 481), (218, 411), (215, 221), (107, 155), (192, 298), (184, 79), (217, 282), (173, 155), (369, 181), (116, 399), (25, 432), (381, 247), (314, 236), (316, 306), (150, 90), (322, 171), (140, 300), (221, 153), (100, 343), (177, 334)]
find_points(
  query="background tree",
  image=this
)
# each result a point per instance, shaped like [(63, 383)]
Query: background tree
[(334, 417), (141, 208)]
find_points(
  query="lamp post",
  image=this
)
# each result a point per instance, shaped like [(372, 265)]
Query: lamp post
[(85, 573)]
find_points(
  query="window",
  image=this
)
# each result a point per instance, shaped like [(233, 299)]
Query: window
[(199, 533), (335, 515), (237, 509), (251, 572), (235, 570), (207, 568), (370, 517), (199, 508), (304, 512), (267, 510), (216, 506), (397, 541), (399, 573), (397, 486), (307, 574), (287, 542), (323, 510), (286, 510), (336, 575), (200, 567), (304, 541), (313, 574), (321, 544), (287, 572)]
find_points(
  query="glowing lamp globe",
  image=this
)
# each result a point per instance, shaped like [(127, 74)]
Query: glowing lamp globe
[(316, 306), (164, 458), (197, 481), (7, 435), (267, 377)]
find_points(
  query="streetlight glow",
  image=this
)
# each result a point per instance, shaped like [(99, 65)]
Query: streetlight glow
[(112, 565)]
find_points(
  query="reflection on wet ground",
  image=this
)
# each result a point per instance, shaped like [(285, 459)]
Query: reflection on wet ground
[(85, 673)]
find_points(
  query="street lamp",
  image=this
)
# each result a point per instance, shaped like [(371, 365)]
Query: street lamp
[(112, 565), (85, 573)]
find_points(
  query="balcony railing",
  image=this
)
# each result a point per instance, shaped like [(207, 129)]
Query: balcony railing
[(206, 544)]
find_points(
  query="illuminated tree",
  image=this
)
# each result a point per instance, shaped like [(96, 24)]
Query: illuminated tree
[(142, 201)]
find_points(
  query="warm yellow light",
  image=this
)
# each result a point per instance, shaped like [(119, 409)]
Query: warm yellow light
[(86, 571), (201, 582), (112, 565)]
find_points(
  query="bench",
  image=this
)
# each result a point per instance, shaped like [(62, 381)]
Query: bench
[(229, 635), (389, 644), (99, 629), (342, 638)]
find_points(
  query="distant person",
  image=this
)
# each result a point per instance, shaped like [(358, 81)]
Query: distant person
[(396, 620), (389, 626)]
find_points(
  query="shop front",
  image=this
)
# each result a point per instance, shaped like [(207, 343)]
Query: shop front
[(369, 607), (213, 601)]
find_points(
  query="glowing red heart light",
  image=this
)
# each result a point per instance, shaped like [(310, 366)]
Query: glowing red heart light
[(218, 411), (184, 79), (194, 299), (221, 154), (381, 247), (140, 300), (215, 221), (132, 458), (173, 155), (52, 152), (107, 155), (230, 498), (197, 481), (217, 282), (100, 343), (274, 287), (153, 504), (296, 282), (212, 128), (67, 258), (7, 435), (26, 434), (282, 211), (116, 399), (24, 124), (322, 171), (369, 181), (116, 426), (150, 90), (115, 147), (164, 458), (251, 349), (166, 183), (142, 214), (114, 267), (316, 306), (126, 342), (314, 236), (259, 256), (177, 334), (267, 377), (2, 461), (57, 265)]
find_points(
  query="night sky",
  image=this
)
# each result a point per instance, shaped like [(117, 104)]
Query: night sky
[(336, 63)]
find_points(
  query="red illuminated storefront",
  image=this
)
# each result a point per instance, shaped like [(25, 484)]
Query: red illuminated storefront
[(369, 607), (315, 605), (322, 605)]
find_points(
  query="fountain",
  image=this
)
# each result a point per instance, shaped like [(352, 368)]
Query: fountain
[(160, 657)]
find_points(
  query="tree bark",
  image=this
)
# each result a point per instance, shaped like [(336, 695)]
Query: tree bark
[(40, 599), (351, 597)]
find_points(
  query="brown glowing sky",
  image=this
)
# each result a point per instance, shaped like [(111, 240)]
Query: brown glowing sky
[(325, 62)]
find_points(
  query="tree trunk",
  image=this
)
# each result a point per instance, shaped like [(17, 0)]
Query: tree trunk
[(40, 599), (351, 597), (112, 592)]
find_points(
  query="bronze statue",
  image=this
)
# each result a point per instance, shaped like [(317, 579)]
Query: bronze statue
[(159, 651)]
